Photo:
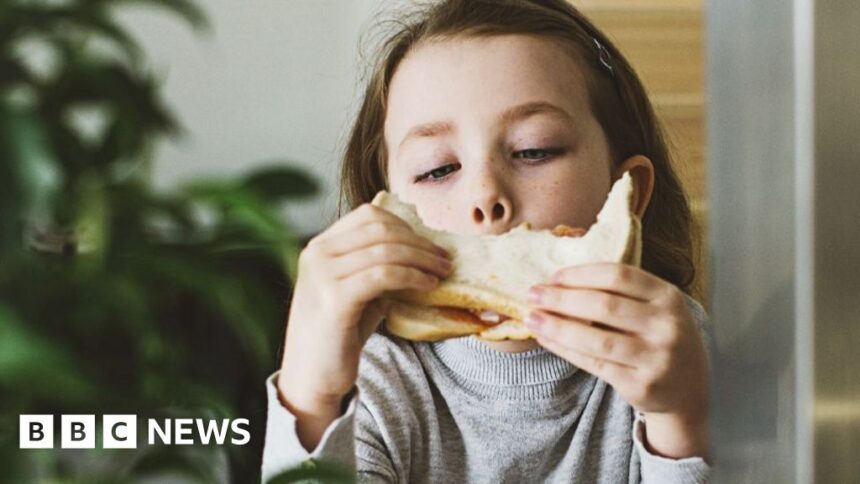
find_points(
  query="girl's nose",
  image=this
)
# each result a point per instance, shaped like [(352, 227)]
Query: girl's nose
[(492, 209), (492, 212)]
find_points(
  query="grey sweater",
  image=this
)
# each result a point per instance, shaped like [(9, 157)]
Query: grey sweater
[(459, 411)]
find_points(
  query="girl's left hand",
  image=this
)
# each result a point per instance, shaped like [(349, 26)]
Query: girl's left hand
[(629, 328)]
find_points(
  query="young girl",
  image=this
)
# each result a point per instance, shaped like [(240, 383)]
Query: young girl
[(486, 114)]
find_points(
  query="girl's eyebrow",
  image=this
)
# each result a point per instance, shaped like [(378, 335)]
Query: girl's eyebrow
[(518, 113), (428, 130), (509, 116)]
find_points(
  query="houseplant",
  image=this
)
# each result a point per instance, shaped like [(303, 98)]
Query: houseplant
[(116, 298)]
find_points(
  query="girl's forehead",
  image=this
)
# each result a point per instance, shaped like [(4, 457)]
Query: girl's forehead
[(481, 77)]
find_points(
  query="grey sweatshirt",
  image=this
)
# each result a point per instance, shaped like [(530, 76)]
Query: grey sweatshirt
[(459, 411)]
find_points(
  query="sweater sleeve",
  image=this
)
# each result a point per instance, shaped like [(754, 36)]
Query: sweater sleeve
[(657, 469), (282, 449)]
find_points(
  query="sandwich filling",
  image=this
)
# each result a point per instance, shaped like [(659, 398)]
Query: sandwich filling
[(479, 316)]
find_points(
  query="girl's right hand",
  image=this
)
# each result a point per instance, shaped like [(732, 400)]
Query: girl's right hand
[(336, 306)]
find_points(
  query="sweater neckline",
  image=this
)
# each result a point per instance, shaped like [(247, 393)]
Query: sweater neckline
[(472, 359)]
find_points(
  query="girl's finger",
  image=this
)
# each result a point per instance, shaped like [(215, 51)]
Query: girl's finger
[(622, 279), (612, 373), (372, 233), (581, 337), (364, 219), (359, 216), (372, 316), (614, 310), (368, 284), (390, 253)]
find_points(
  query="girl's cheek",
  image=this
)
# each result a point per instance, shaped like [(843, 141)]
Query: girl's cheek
[(564, 199), (436, 214), (446, 223)]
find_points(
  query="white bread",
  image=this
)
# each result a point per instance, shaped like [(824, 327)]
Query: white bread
[(495, 272)]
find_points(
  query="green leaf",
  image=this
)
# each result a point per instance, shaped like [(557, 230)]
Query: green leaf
[(37, 367), (168, 464), (278, 183), (238, 205), (319, 471), (94, 219), (291, 257), (224, 294), (66, 23), (11, 72), (30, 176), (132, 96), (102, 24)]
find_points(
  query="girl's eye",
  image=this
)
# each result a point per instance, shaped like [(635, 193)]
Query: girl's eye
[(537, 154), (531, 155), (435, 174)]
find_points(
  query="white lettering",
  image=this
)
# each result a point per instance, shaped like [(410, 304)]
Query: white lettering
[(164, 432), (119, 431), (237, 429), (78, 432), (36, 431), (211, 428), (183, 428)]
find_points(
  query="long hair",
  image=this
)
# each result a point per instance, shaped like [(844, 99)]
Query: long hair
[(616, 98)]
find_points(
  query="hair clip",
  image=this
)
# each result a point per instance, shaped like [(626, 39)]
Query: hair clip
[(604, 57)]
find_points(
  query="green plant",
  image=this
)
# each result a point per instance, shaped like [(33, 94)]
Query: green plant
[(321, 471), (114, 297)]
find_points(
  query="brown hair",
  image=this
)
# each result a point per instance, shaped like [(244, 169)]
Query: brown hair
[(616, 97)]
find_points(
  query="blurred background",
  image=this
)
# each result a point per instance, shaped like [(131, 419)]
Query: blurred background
[(157, 190)]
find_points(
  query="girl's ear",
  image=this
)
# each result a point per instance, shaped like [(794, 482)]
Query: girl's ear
[(642, 171)]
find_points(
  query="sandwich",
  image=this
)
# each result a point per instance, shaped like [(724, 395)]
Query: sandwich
[(485, 294)]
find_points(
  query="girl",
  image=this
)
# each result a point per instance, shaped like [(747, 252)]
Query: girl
[(486, 114)]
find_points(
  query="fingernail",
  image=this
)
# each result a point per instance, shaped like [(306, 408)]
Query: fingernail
[(534, 295), (533, 320), (441, 251)]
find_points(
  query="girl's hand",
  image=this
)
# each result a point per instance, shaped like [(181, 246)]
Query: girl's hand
[(633, 330), (336, 306)]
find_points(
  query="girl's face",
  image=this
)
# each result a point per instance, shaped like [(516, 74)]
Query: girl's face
[(483, 134)]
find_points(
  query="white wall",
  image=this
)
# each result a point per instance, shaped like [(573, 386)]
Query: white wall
[(276, 79)]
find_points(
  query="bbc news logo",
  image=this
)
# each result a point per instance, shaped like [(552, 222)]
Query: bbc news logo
[(120, 431)]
